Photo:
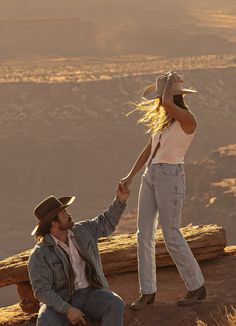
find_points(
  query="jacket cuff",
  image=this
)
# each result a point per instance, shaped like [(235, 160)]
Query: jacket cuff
[(119, 205), (65, 307)]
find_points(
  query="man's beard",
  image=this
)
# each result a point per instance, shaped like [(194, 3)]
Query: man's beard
[(67, 225)]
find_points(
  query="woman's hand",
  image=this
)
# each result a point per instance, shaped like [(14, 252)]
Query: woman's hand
[(122, 193), (126, 181), (162, 77), (173, 76)]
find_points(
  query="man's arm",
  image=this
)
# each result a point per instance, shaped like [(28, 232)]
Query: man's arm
[(105, 224), (41, 279)]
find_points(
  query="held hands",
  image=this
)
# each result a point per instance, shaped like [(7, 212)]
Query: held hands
[(76, 316), (122, 192), (126, 181)]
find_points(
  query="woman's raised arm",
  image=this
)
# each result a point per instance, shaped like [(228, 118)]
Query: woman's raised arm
[(141, 160), (186, 118)]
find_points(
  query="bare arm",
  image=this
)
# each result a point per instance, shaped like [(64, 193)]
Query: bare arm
[(186, 118), (139, 163)]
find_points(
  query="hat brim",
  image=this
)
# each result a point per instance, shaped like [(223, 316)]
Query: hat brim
[(66, 201), (150, 92)]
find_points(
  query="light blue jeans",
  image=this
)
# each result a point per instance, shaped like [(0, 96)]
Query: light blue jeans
[(161, 198), (96, 304)]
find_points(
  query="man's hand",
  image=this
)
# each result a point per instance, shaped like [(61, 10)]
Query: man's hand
[(76, 316), (122, 192)]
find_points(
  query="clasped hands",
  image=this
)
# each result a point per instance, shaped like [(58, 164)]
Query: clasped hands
[(122, 192)]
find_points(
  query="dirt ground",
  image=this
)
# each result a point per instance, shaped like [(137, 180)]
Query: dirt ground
[(220, 280)]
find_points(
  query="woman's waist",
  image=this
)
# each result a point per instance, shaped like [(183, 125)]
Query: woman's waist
[(161, 160), (167, 165), (162, 170)]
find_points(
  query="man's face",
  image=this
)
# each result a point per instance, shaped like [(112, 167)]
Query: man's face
[(65, 220)]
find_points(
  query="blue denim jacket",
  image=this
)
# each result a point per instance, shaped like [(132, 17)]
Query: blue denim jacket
[(48, 266)]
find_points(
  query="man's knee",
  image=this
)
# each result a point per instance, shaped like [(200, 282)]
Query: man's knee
[(43, 320), (118, 304), (49, 317)]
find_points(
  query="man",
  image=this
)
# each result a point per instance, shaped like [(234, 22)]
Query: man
[(65, 267)]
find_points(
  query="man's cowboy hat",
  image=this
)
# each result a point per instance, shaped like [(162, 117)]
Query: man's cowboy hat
[(49, 208), (154, 91)]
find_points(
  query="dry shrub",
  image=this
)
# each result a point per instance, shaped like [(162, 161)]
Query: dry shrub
[(221, 318), (201, 323)]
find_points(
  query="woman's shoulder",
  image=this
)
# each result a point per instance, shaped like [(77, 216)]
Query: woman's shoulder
[(187, 130)]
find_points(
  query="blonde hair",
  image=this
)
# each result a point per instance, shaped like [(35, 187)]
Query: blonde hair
[(154, 116)]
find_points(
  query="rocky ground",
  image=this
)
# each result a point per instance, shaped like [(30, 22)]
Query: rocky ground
[(220, 278)]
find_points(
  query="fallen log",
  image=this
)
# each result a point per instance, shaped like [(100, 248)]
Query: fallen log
[(28, 303), (14, 316), (119, 252), (14, 270), (119, 255)]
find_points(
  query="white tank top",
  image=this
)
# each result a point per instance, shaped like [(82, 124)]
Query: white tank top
[(174, 143)]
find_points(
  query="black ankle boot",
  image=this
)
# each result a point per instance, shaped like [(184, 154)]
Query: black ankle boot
[(193, 297), (143, 301)]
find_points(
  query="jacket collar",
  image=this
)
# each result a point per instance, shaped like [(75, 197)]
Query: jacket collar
[(49, 240)]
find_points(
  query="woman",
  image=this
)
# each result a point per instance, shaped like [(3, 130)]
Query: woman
[(162, 188)]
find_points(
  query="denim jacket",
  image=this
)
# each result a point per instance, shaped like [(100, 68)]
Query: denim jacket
[(48, 266)]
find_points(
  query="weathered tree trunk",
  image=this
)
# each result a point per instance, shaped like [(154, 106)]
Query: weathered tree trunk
[(28, 302), (119, 255), (14, 270), (119, 252)]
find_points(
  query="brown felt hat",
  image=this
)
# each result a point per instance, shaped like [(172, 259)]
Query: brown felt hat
[(49, 208)]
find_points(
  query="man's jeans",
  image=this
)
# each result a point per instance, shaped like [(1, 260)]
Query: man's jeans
[(161, 197), (96, 304)]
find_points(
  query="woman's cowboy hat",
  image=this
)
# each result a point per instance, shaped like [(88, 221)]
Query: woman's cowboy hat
[(49, 208), (156, 90)]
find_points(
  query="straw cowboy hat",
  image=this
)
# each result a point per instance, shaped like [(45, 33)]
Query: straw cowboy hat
[(156, 90), (49, 208)]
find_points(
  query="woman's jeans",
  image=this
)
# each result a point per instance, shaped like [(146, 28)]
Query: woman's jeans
[(161, 198), (96, 304)]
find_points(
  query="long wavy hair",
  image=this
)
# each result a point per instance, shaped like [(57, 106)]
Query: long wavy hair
[(43, 229), (154, 116)]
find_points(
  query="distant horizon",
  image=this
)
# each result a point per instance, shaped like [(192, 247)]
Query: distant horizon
[(96, 29)]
